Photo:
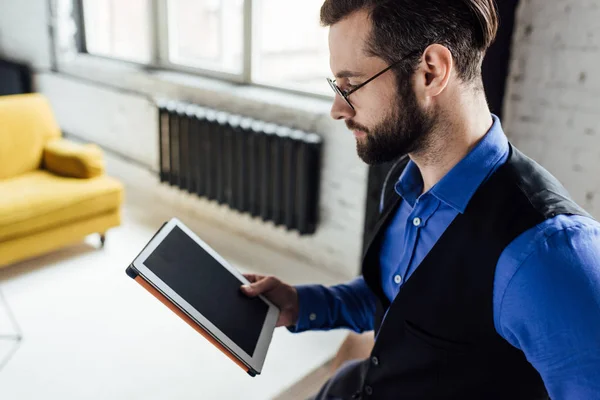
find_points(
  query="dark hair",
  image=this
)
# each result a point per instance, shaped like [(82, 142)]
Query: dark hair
[(466, 27)]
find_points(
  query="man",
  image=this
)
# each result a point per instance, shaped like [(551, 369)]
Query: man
[(483, 278)]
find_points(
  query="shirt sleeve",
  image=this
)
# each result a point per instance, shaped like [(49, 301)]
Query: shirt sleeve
[(350, 305), (551, 311)]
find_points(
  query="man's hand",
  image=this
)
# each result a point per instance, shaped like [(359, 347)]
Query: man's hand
[(282, 295)]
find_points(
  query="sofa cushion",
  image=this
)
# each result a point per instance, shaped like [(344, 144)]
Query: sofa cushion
[(27, 124), (39, 200), (66, 158)]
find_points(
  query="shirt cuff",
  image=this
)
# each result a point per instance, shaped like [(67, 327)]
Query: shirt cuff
[(312, 309)]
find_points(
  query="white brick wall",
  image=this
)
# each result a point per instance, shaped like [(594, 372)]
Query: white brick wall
[(24, 31), (124, 123), (553, 99)]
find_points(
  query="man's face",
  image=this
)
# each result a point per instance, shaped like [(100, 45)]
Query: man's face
[(387, 120)]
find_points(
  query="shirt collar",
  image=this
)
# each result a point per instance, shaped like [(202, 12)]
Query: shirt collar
[(459, 185)]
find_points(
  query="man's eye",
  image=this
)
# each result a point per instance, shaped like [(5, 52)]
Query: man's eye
[(349, 87)]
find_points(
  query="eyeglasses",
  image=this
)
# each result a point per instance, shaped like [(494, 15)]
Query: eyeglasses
[(344, 94)]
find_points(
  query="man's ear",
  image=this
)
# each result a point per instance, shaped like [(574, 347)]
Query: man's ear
[(434, 72)]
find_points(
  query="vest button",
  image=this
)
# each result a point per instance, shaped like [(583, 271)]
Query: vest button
[(375, 361), (368, 390)]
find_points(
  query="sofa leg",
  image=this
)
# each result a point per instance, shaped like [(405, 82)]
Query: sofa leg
[(102, 239)]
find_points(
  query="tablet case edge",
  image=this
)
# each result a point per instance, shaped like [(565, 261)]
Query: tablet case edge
[(163, 299), (134, 274)]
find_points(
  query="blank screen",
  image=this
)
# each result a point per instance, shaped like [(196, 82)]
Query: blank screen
[(209, 287)]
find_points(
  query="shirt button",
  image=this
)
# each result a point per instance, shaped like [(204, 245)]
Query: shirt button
[(375, 361), (368, 390), (312, 316), (417, 221), (398, 279)]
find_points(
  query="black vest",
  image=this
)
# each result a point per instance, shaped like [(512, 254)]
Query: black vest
[(438, 339)]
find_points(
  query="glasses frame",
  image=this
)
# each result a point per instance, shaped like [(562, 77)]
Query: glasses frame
[(345, 94)]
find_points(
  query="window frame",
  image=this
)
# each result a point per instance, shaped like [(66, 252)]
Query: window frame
[(158, 21)]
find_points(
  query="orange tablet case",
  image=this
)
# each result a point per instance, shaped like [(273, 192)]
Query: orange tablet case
[(133, 273)]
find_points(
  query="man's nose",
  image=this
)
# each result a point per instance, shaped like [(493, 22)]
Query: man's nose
[(340, 109)]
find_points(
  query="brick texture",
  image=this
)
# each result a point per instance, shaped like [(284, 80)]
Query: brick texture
[(553, 95)]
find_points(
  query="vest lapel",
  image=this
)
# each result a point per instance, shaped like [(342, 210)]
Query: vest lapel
[(370, 266)]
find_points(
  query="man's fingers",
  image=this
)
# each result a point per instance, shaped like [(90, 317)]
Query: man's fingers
[(261, 286), (252, 277), (265, 285)]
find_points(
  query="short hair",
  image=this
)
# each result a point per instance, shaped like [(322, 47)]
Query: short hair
[(466, 27)]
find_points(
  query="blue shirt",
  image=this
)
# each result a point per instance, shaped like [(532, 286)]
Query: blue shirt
[(546, 299)]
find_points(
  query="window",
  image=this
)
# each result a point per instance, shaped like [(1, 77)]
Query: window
[(206, 34), (119, 29), (291, 52), (268, 42)]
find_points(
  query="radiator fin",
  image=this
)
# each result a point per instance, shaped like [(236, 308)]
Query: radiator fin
[(266, 170)]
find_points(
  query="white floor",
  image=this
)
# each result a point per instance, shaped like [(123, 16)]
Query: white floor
[(90, 332)]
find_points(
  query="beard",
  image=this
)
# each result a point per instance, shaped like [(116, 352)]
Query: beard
[(404, 131)]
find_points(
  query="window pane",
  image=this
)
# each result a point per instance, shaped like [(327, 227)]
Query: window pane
[(291, 52), (118, 29), (206, 34)]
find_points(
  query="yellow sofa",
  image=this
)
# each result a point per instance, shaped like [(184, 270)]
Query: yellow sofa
[(53, 192)]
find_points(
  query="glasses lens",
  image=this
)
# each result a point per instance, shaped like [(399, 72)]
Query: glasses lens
[(334, 87), (338, 91)]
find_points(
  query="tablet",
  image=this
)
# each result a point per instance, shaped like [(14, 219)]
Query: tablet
[(196, 283)]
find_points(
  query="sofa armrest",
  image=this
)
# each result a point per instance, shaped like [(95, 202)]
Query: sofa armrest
[(67, 158)]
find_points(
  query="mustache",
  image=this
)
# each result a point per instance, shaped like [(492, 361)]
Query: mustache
[(353, 126)]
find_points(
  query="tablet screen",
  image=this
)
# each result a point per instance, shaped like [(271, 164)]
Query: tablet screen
[(209, 287)]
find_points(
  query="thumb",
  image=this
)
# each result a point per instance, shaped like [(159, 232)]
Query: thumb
[(261, 286)]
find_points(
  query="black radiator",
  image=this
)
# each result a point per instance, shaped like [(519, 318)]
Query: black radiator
[(269, 171)]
